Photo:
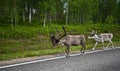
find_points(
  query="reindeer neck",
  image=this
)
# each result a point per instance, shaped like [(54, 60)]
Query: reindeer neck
[(96, 36)]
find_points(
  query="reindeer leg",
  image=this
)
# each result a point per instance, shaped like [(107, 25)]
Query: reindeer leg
[(67, 51), (108, 45), (81, 51), (95, 46), (112, 44), (103, 45), (83, 48)]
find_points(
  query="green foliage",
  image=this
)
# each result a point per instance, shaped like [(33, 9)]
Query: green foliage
[(32, 40), (80, 11), (19, 38), (24, 31)]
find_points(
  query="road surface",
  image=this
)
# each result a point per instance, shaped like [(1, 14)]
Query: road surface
[(108, 60)]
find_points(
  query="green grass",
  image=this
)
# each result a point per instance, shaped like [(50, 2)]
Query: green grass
[(27, 41)]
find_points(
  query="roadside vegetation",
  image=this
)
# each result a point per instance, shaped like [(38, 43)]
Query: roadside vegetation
[(33, 40), (25, 25)]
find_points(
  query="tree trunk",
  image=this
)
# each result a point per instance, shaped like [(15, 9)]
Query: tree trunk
[(23, 16), (44, 20), (50, 19), (30, 15), (15, 13), (67, 17)]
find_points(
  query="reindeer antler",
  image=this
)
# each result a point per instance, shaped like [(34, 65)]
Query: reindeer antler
[(64, 32), (57, 31)]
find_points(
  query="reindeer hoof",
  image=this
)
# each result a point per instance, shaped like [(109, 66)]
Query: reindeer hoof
[(82, 53), (67, 55), (104, 49), (93, 49), (113, 47)]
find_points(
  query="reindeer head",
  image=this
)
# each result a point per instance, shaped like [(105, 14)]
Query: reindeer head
[(92, 34), (54, 39)]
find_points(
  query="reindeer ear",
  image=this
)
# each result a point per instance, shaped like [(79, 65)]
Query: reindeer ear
[(93, 31), (96, 31)]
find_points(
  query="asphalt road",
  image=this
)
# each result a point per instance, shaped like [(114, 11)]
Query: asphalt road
[(98, 61)]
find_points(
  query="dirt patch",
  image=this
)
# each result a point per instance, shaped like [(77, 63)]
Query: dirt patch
[(21, 60)]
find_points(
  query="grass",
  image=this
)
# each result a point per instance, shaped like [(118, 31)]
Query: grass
[(27, 41)]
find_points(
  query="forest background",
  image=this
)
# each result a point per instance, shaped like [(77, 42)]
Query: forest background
[(25, 25)]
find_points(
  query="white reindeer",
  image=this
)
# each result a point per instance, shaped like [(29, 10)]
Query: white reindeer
[(102, 38)]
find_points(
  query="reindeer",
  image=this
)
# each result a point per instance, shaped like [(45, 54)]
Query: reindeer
[(69, 40), (102, 38)]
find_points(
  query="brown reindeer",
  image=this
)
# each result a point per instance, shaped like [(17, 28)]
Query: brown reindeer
[(69, 40)]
